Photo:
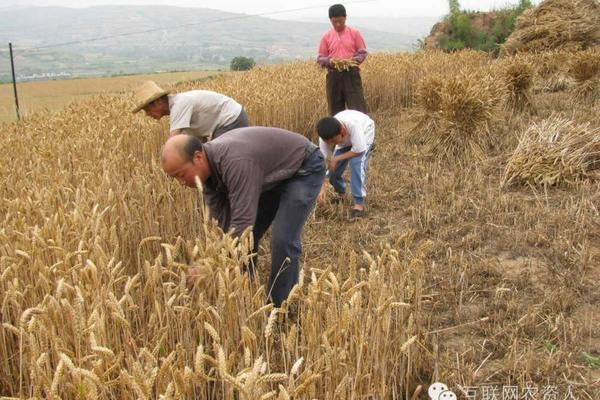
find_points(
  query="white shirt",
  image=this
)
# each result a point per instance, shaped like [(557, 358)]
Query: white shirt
[(361, 132), (201, 112)]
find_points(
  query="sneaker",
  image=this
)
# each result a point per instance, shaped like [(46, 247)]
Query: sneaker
[(355, 213)]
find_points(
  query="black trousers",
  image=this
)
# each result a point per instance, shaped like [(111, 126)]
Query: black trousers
[(240, 122), (345, 91)]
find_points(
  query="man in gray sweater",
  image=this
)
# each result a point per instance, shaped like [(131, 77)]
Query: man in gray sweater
[(257, 177)]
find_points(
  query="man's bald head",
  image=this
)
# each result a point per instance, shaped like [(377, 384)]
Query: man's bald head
[(182, 158), (184, 145)]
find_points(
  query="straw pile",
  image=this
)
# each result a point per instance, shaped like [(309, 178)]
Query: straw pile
[(585, 70), (428, 97), (556, 24), (555, 151), (551, 68), (518, 76), (455, 115)]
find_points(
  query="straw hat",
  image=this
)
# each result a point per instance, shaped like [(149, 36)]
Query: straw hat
[(146, 94)]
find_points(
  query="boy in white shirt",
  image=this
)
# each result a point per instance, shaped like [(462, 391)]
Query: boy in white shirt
[(347, 137)]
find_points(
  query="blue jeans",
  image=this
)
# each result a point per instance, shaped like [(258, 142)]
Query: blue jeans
[(358, 174), (286, 207)]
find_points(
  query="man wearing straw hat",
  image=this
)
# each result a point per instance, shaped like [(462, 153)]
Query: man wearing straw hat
[(258, 177), (200, 113)]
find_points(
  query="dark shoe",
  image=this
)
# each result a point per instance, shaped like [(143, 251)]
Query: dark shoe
[(357, 213)]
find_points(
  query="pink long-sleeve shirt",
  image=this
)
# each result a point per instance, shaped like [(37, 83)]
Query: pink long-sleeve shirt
[(348, 44)]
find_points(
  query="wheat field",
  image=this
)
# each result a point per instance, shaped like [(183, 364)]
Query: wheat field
[(53, 95), (452, 277)]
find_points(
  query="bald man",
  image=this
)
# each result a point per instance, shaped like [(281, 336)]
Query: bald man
[(257, 177)]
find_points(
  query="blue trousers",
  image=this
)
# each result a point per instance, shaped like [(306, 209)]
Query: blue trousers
[(358, 175), (287, 207)]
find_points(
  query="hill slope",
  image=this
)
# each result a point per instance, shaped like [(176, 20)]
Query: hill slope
[(416, 27)]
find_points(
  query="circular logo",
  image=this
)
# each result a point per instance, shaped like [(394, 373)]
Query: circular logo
[(435, 389)]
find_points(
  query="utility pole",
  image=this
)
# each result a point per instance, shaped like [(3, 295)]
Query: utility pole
[(12, 66)]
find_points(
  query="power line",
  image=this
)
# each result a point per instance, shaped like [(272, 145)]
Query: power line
[(236, 17)]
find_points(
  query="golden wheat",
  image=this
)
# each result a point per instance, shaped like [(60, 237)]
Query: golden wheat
[(95, 242)]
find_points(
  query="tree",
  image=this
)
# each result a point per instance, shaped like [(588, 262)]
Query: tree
[(524, 5), (454, 7), (242, 63)]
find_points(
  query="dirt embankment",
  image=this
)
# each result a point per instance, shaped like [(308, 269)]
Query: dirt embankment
[(478, 21)]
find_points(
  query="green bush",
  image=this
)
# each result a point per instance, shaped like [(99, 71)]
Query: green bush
[(242, 63), (461, 34)]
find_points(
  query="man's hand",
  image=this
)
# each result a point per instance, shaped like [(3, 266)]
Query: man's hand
[(322, 195), (332, 165), (197, 274)]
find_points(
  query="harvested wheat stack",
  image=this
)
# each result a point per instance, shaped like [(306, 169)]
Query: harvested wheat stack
[(455, 116), (429, 93), (428, 97), (551, 71), (518, 76), (553, 152), (585, 70), (558, 83), (556, 24)]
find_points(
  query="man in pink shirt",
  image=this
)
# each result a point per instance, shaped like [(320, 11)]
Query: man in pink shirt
[(344, 88)]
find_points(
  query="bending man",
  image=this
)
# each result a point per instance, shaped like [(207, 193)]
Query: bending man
[(347, 138), (200, 113), (257, 177)]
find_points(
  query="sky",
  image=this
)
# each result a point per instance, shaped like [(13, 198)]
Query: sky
[(298, 9)]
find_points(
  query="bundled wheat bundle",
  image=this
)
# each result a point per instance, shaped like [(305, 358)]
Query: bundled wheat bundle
[(428, 97), (551, 68), (518, 76), (343, 64), (455, 115), (554, 151), (556, 24), (585, 70)]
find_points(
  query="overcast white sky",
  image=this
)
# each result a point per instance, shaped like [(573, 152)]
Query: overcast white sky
[(289, 9)]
